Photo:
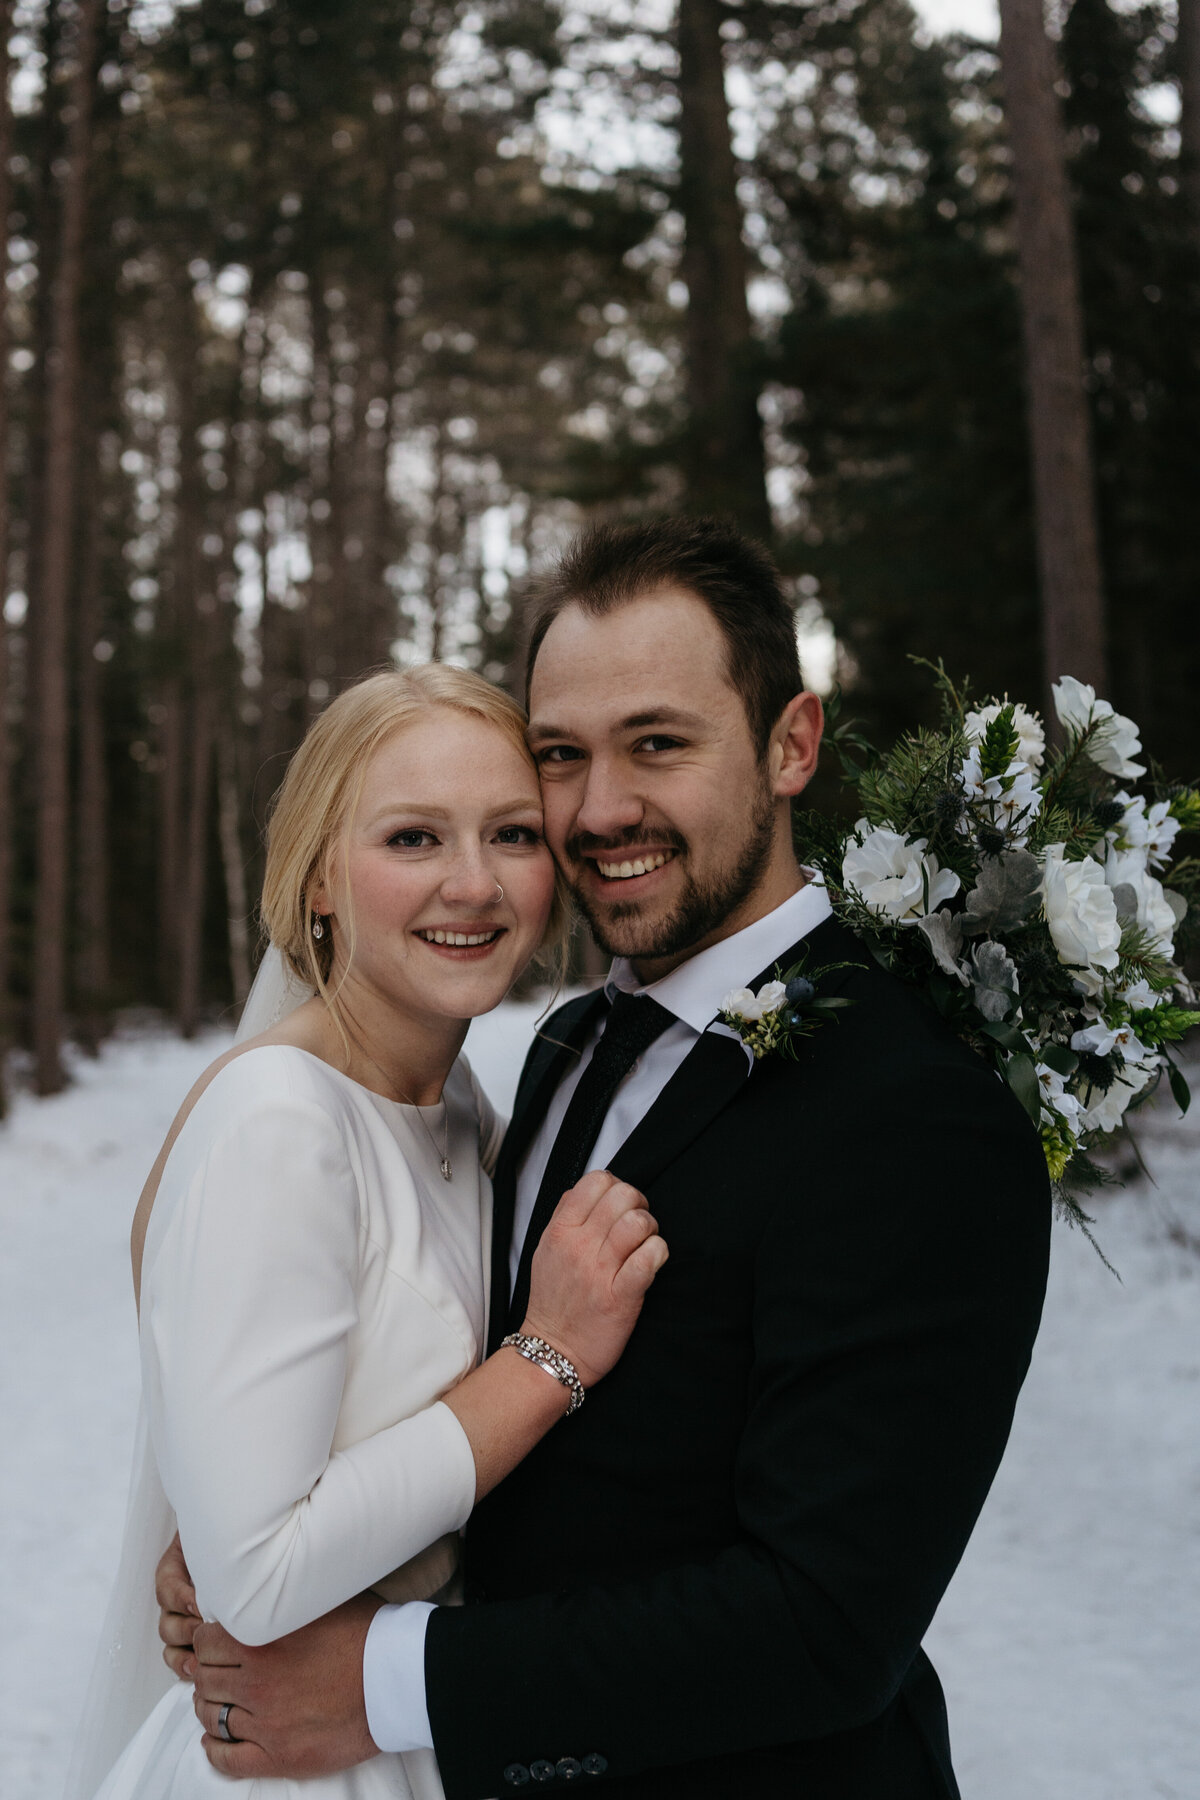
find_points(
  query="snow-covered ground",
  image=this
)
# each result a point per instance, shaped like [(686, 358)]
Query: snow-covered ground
[(1069, 1643)]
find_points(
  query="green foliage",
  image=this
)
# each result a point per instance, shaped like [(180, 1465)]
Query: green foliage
[(999, 745)]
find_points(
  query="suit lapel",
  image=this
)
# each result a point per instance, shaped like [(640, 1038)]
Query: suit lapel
[(554, 1050), (714, 1071)]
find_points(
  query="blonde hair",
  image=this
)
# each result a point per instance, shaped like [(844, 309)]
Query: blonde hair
[(319, 795)]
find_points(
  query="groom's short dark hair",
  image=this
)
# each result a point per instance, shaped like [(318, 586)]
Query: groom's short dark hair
[(609, 565)]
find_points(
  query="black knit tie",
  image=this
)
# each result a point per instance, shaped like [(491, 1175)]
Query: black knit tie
[(633, 1023)]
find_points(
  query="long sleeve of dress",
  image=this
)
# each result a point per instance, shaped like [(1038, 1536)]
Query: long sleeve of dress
[(248, 1310)]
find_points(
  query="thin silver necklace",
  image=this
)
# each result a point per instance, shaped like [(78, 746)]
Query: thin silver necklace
[(446, 1166)]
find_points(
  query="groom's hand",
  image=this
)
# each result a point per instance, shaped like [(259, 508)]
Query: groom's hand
[(297, 1704), (178, 1614)]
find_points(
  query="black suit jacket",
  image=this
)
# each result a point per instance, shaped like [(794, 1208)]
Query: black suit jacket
[(712, 1582)]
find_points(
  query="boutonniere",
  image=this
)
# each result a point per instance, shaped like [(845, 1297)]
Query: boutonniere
[(773, 1021)]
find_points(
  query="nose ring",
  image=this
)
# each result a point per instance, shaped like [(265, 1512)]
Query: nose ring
[(499, 892)]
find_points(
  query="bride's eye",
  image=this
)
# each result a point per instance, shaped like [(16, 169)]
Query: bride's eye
[(415, 838), (518, 835)]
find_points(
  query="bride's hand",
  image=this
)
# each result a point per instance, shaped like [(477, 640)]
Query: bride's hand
[(591, 1270)]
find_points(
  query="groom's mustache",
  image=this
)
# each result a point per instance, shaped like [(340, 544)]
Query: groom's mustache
[(583, 844)]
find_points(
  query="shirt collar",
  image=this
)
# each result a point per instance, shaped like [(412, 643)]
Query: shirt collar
[(693, 992)]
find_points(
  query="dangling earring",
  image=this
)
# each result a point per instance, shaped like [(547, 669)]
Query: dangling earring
[(318, 930)]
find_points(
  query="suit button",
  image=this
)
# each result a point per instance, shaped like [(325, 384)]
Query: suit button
[(516, 1775), (595, 1764), (568, 1768), (542, 1770)]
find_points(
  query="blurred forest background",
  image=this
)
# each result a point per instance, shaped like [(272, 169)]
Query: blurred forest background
[(326, 322)]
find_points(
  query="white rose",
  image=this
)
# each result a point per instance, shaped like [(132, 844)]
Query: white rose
[(1081, 915), (894, 878), (740, 1003), (771, 997), (1115, 744), (1105, 1111), (1155, 914), (1031, 739)]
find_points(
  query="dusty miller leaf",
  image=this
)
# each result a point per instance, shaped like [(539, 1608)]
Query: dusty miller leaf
[(945, 940), (1005, 891)]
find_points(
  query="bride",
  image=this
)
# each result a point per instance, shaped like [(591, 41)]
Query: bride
[(310, 1252)]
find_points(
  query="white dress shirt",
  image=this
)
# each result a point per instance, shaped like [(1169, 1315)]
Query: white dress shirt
[(394, 1654)]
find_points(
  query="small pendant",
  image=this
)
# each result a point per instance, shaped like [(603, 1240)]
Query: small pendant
[(447, 1171)]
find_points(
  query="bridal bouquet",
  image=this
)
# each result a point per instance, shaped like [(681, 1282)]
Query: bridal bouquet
[(1027, 892)]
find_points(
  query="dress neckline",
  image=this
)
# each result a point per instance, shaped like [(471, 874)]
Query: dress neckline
[(360, 1086)]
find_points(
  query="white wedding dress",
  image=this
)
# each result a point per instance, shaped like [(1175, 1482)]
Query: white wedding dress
[(310, 1285)]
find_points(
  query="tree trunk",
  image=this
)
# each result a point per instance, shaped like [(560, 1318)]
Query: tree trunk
[(1188, 53), (237, 905), (91, 804), (51, 707), (1073, 631), (193, 885), (6, 788), (724, 459)]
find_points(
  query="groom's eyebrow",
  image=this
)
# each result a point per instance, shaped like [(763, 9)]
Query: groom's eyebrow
[(539, 731), (661, 715)]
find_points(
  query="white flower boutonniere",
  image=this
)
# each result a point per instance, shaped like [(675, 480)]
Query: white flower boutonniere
[(783, 1011)]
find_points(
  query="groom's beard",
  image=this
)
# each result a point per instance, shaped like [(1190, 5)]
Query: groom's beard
[(628, 928)]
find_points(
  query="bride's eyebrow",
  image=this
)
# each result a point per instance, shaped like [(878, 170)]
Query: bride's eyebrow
[(399, 809)]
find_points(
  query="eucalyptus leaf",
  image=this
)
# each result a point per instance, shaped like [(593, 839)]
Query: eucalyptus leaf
[(1125, 897), (1005, 892), (1007, 1036), (1177, 903), (1021, 1074), (1064, 1062), (1179, 1086)]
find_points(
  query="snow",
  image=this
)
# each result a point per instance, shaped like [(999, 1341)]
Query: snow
[(1069, 1642)]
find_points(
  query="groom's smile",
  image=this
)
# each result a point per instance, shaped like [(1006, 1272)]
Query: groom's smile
[(658, 806)]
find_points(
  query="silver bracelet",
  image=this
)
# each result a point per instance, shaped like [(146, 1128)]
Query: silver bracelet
[(537, 1350)]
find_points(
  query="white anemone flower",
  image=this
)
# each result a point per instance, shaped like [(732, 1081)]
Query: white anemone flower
[(1103, 1040), (1010, 802), (1031, 737), (771, 997), (893, 877), (1056, 1097), (1115, 744), (1148, 828), (1104, 1112)]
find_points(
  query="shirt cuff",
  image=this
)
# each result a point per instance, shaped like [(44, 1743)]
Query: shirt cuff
[(394, 1677)]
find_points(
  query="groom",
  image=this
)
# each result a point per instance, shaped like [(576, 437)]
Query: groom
[(713, 1582)]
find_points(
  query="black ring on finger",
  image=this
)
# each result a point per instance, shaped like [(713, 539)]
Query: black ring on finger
[(223, 1730)]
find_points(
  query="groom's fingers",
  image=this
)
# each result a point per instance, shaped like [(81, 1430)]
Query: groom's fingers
[(241, 1761), (216, 1649), (209, 1712)]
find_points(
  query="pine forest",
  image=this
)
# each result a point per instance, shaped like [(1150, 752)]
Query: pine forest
[(326, 324)]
